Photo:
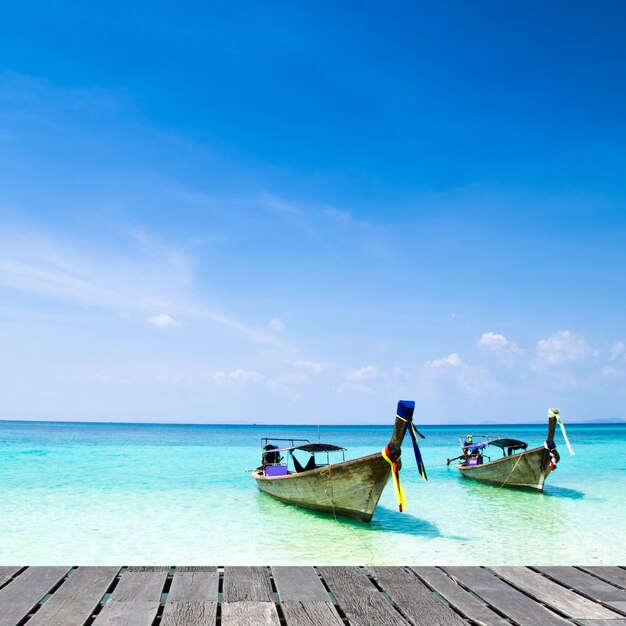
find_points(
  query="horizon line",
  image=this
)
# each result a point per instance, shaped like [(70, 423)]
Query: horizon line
[(312, 425)]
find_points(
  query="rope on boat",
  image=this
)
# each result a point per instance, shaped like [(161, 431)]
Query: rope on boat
[(521, 454)]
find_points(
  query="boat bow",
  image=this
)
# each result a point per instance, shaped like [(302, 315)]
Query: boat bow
[(393, 450)]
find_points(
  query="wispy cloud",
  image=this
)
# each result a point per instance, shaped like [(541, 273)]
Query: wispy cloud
[(367, 372), (313, 367), (237, 376), (148, 277), (323, 222)]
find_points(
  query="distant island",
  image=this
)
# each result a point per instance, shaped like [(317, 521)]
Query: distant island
[(605, 420)]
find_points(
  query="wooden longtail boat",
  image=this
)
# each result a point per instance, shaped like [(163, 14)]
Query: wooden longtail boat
[(518, 467), (350, 488)]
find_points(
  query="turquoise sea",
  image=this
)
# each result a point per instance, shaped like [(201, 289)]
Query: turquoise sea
[(173, 494)]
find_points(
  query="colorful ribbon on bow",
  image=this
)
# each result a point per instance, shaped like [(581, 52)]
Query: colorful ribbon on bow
[(395, 471), (555, 413), (416, 449), (405, 414)]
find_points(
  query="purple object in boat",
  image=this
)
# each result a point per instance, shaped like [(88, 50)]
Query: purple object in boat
[(276, 470), (474, 460)]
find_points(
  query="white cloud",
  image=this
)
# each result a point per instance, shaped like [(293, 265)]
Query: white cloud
[(497, 342), (313, 367), (276, 324), (617, 350), (563, 347), (499, 346), (363, 373), (452, 360), (237, 376), (163, 320)]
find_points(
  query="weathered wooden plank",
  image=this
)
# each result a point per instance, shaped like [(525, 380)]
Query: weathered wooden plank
[(613, 575), (513, 603), (247, 584), (553, 594), (459, 598), (124, 613), (196, 568), (303, 598), (6, 573), (415, 600), (359, 599), (135, 600), (601, 622), (140, 586), (299, 583), (249, 614), (189, 614), (148, 568), (310, 613), (75, 600), (19, 597), (588, 585), (195, 586)]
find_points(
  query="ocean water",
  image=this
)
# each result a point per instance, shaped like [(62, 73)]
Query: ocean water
[(164, 494)]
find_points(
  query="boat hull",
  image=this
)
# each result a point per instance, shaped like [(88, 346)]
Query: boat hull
[(351, 488), (526, 470)]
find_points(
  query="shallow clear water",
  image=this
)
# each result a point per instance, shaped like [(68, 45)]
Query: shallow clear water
[(120, 494)]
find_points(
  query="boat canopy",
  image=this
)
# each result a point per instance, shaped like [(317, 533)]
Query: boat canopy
[(312, 448), (511, 444)]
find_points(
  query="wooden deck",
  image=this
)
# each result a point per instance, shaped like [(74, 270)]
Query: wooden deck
[(312, 596)]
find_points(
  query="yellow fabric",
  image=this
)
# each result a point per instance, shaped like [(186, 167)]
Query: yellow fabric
[(397, 485)]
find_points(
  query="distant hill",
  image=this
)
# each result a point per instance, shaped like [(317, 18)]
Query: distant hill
[(605, 420)]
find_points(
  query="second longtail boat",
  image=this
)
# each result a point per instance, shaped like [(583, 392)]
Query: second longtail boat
[(517, 467)]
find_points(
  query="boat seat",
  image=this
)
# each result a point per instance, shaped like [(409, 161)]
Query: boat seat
[(275, 470)]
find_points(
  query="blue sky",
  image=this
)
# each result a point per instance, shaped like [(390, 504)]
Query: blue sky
[(302, 212)]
